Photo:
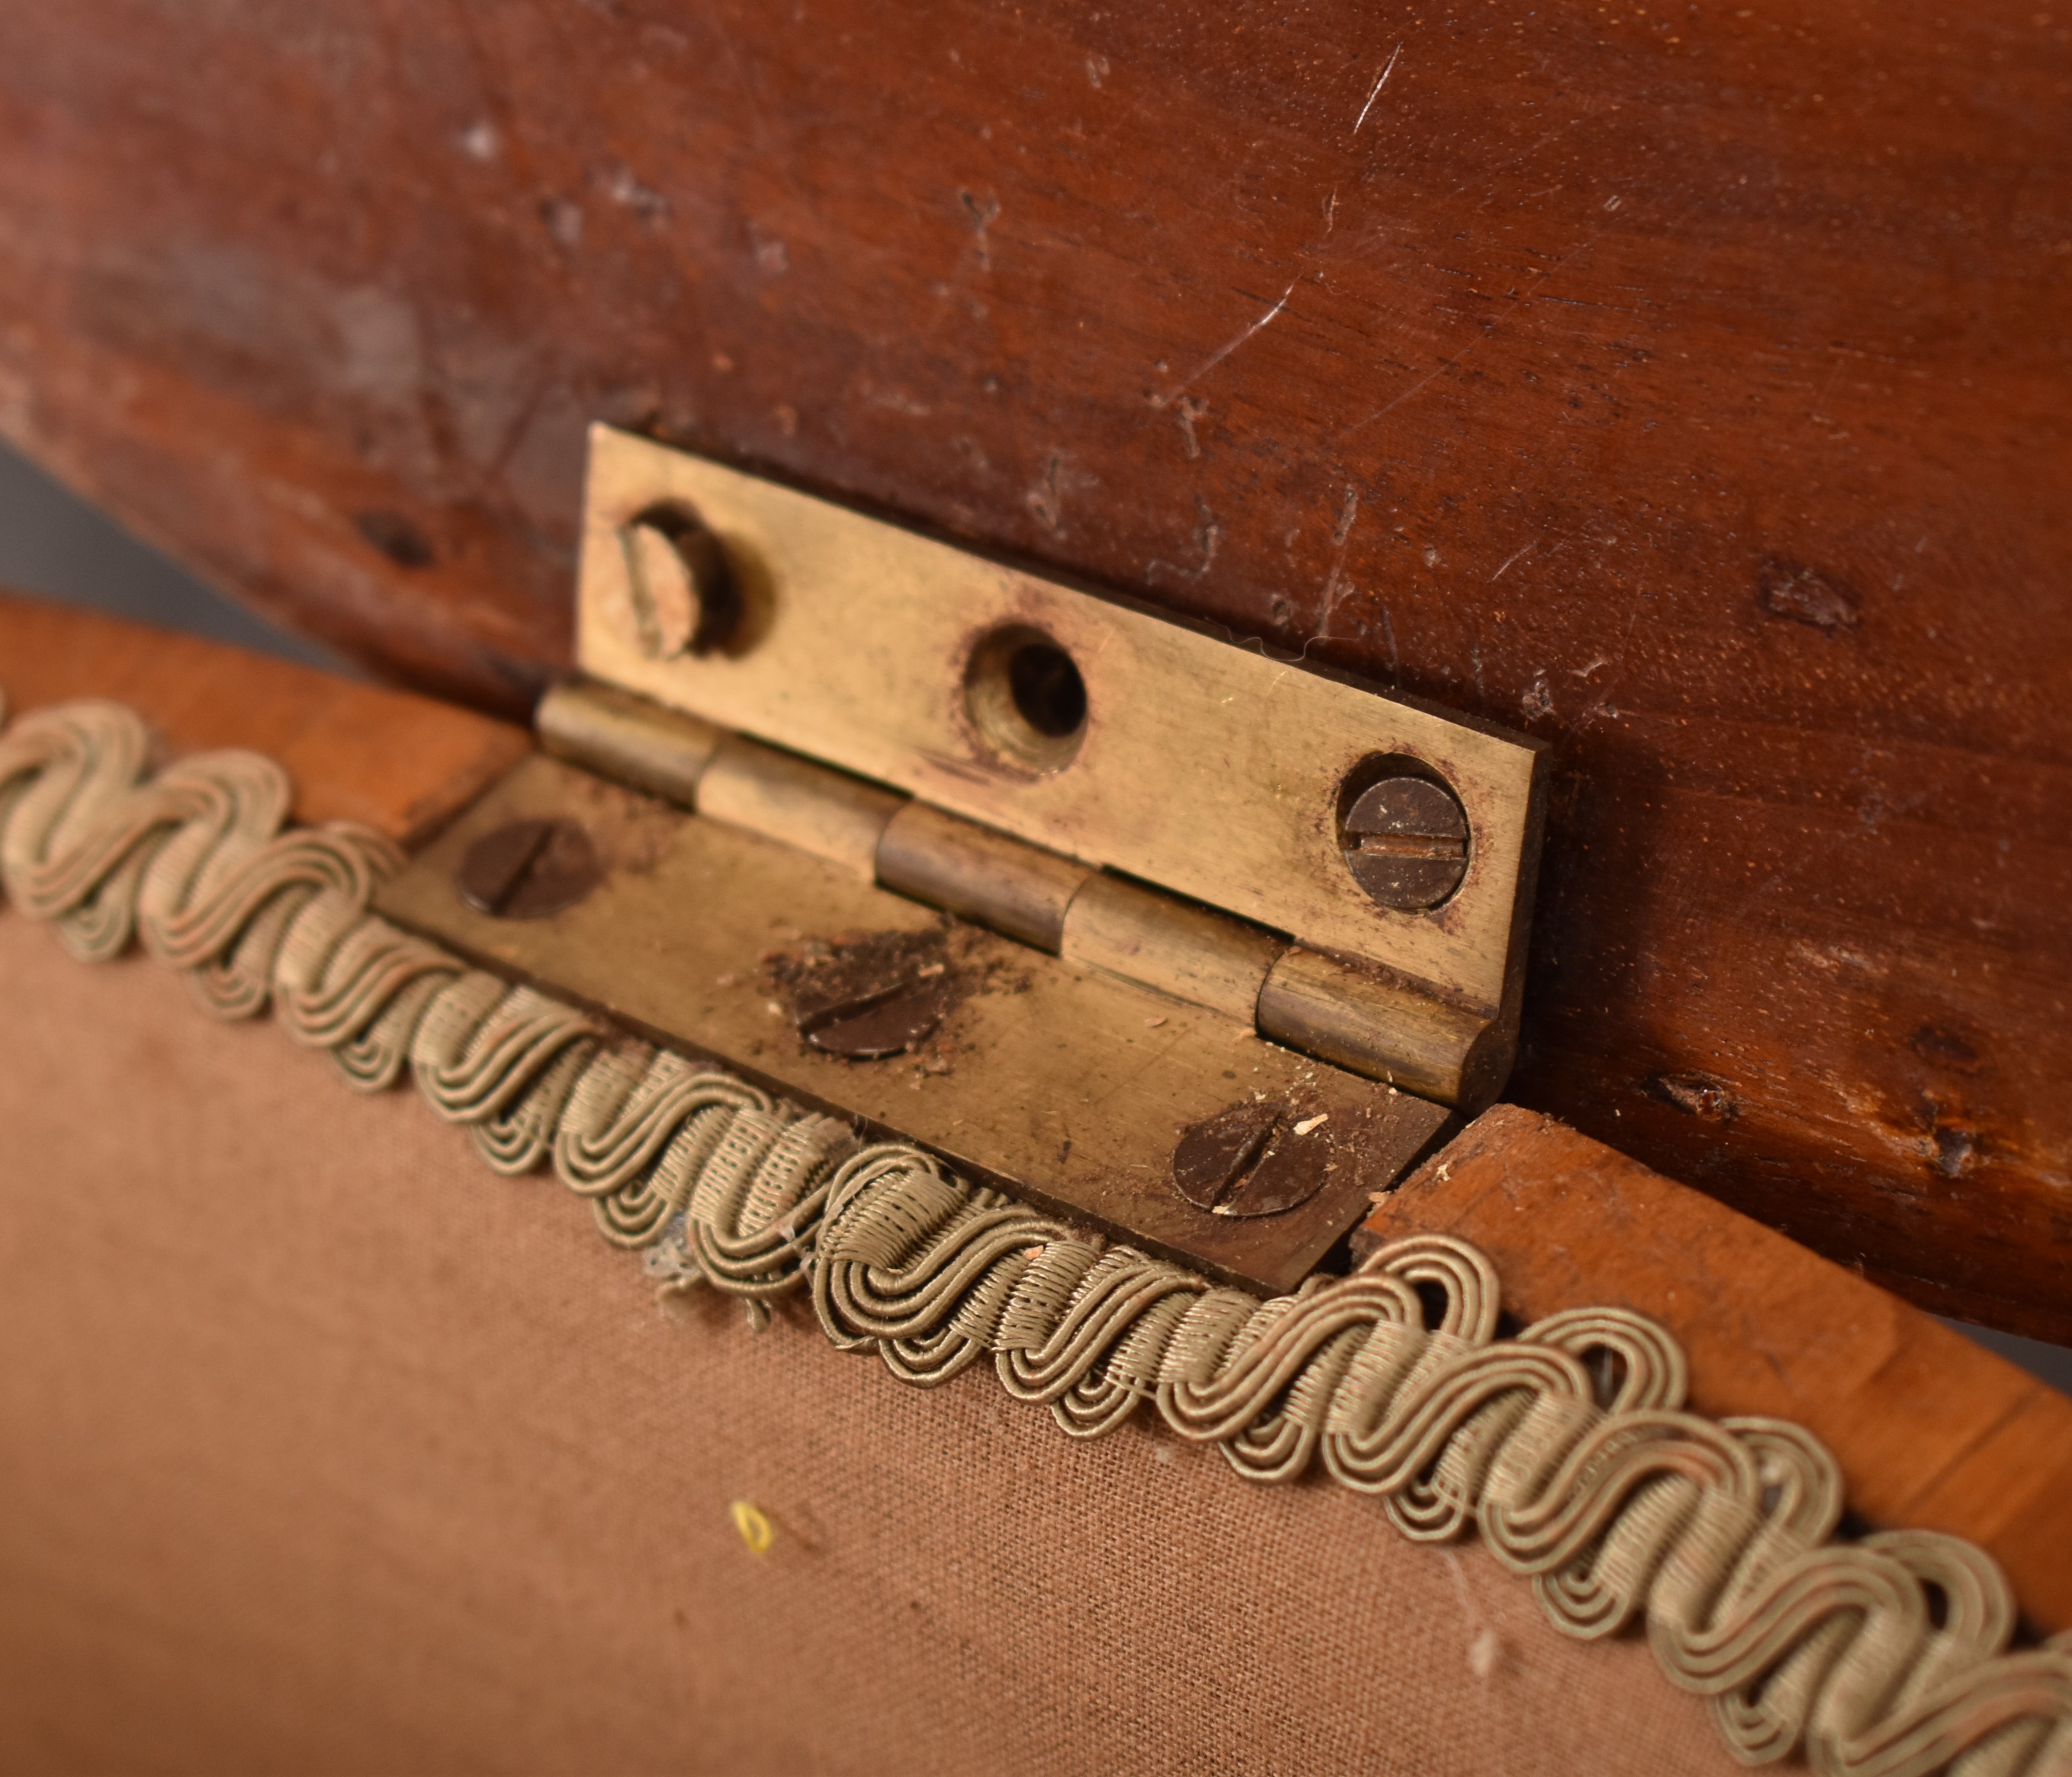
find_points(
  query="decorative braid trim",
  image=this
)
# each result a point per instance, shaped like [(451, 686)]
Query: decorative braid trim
[(1717, 1536)]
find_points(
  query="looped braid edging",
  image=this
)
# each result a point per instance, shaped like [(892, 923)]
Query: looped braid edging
[(1622, 1509)]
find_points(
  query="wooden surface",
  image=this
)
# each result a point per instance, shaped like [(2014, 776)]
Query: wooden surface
[(400, 763), (1932, 1431), (1690, 387)]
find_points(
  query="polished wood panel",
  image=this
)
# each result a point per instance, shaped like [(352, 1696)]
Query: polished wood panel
[(391, 760), (1932, 1431), (1689, 386)]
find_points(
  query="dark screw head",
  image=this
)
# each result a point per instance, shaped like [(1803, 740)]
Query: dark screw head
[(1406, 842), (868, 999), (528, 870), (870, 1030), (1251, 1160), (683, 594)]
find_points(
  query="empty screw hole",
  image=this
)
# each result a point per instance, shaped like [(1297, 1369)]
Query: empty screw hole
[(1047, 690), (1026, 699)]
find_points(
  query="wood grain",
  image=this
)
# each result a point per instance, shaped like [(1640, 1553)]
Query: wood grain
[(390, 760), (1690, 386), (1931, 1429)]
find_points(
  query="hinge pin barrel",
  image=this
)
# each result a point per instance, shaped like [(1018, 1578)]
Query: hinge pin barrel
[(1018, 890), (1352, 1015)]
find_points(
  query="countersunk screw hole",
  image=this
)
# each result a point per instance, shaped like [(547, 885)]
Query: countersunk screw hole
[(1026, 699), (1047, 690), (685, 596)]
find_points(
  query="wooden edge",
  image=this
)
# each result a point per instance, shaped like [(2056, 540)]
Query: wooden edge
[(1932, 1431), (2050, 1321), (401, 764)]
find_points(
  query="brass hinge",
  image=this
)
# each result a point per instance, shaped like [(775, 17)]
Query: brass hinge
[(1230, 936)]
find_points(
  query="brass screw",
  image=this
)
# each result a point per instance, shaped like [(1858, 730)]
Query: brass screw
[(1406, 842), (1252, 1159), (683, 594), (528, 870), (870, 998)]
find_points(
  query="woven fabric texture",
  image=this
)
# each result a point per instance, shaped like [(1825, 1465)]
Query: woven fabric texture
[(321, 1449)]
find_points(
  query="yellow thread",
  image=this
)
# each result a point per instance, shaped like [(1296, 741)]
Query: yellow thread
[(756, 1530)]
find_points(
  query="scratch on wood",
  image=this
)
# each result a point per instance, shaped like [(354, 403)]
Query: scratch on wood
[(1208, 539), (1444, 365), (983, 212), (1189, 409), (1511, 560), (1381, 82), (1347, 513), (1217, 357), (1046, 500), (1334, 584)]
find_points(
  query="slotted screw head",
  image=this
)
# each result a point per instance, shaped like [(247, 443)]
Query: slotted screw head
[(681, 590), (1406, 842), (528, 870), (867, 999), (1251, 1159)]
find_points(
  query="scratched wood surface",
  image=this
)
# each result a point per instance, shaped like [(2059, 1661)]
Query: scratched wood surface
[(1686, 385)]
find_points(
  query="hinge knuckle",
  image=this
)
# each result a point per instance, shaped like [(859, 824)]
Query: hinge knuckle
[(1363, 1020), (1205, 958), (630, 739), (1018, 890), (813, 807), (1226, 936)]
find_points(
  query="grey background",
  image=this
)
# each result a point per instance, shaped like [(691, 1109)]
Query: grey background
[(55, 544)]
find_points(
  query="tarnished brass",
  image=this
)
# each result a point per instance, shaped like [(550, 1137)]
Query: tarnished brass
[(1362, 1019), (1229, 935), (1259, 1159), (828, 814), (1406, 842), (1014, 887), (1206, 958), (682, 593), (528, 870), (1371, 1022), (1067, 1085), (632, 739), (1083, 724)]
